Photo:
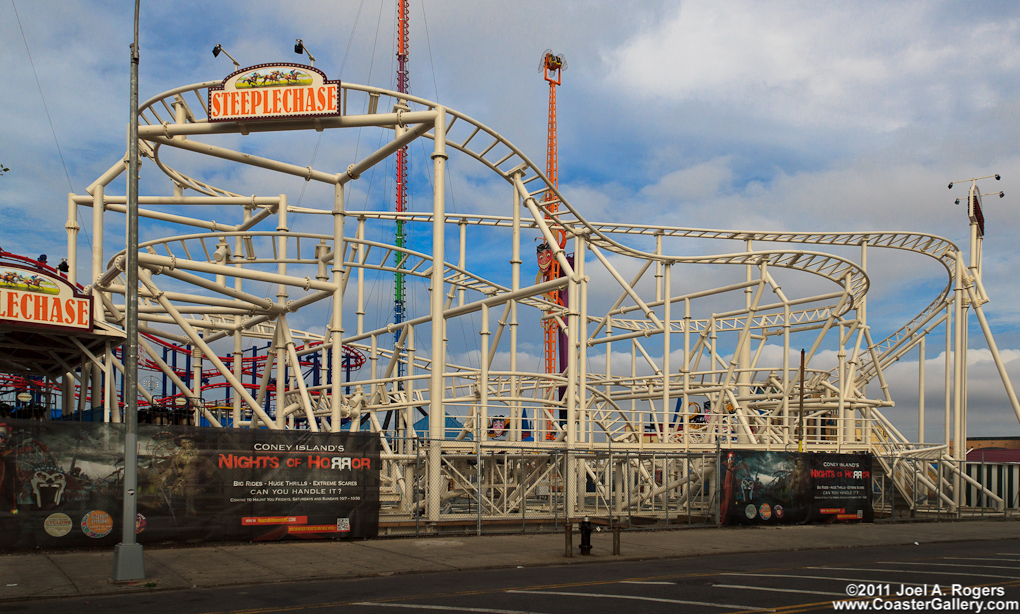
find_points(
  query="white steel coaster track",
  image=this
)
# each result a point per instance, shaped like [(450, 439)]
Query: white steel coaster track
[(576, 426)]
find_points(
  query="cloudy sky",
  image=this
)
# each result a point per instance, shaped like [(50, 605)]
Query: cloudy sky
[(758, 115)]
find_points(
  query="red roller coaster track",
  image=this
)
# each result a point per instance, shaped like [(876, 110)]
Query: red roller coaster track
[(250, 365)]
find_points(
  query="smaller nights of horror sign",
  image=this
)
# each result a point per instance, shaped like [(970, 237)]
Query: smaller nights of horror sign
[(274, 91)]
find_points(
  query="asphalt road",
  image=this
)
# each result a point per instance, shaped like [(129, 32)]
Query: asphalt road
[(787, 582)]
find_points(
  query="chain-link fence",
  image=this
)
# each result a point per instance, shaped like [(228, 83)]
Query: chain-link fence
[(500, 488), (914, 488), (518, 488)]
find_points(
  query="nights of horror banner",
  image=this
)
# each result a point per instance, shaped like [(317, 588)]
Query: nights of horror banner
[(61, 484), (793, 488)]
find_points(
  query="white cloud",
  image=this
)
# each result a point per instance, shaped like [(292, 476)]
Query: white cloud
[(874, 66), (699, 182)]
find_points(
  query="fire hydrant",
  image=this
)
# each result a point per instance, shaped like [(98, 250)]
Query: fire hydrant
[(585, 529)]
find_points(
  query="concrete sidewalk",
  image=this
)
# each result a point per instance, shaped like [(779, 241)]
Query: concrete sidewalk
[(72, 574)]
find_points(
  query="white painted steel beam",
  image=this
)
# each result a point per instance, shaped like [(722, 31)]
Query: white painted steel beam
[(210, 297)]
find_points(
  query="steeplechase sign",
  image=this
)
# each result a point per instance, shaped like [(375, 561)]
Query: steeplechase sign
[(274, 91), (35, 298)]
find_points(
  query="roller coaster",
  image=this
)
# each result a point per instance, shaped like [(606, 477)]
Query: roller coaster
[(680, 341)]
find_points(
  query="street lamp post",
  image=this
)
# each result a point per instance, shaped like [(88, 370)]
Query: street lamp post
[(128, 562)]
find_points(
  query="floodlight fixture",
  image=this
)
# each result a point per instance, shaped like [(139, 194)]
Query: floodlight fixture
[(957, 201), (299, 48), (972, 180), (219, 49)]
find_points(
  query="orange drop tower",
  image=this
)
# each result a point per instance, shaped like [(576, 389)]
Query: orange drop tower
[(552, 67)]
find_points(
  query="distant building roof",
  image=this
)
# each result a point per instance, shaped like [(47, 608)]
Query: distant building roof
[(992, 455), (1011, 438), (453, 428)]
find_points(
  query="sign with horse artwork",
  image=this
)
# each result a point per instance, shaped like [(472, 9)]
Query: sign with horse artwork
[(274, 91), (35, 298)]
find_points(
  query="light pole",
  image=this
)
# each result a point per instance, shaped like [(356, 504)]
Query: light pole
[(128, 562), (800, 446), (218, 49), (299, 48)]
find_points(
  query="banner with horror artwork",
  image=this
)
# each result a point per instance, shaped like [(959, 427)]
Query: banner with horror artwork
[(793, 488), (61, 484)]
